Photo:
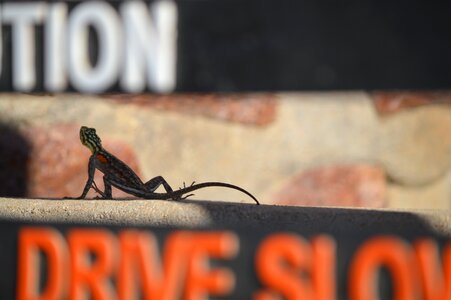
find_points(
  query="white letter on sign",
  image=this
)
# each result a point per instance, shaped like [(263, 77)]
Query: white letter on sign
[(22, 17), (150, 40), (105, 21), (55, 41)]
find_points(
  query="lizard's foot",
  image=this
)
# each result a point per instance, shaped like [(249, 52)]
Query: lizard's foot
[(74, 198), (182, 197), (98, 191), (184, 185), (186, 197), (182, 188)]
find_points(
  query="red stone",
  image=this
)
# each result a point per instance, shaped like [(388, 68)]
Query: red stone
[(58, 164), (338, 185), (253, 109), (394, 101)]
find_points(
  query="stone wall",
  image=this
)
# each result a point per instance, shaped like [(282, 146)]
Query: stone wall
[(354, 149)]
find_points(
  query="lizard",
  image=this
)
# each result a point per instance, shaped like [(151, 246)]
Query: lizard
[(118, 174)]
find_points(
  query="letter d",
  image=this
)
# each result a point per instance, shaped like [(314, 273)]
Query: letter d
[(51, 243)]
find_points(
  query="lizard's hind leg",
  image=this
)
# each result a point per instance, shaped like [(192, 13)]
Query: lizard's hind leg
[(184, 187), (155, 182)]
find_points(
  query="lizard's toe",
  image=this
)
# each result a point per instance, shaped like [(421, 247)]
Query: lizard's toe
[(186, 197)]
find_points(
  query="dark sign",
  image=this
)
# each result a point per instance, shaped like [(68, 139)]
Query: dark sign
[(223, 45), (90, 46), (78, 262)]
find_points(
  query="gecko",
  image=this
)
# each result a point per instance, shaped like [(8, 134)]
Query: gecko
[(118, 174)]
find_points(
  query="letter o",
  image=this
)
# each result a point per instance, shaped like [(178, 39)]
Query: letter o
[(387, 251)]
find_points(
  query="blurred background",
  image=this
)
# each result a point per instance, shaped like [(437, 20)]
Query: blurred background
[(358, 149)]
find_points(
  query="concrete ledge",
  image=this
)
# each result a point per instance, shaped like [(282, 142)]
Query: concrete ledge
[(205, 214)]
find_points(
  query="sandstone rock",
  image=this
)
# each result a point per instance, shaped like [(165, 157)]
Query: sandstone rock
[(394, 101), (436, 195), (415, 145), (253, 109), (336, 185), (58, 164), (310, 129)]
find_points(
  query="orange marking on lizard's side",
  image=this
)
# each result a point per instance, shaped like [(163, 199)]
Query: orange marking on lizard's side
[(101, 158)]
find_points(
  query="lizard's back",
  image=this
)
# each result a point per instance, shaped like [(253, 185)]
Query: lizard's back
[(116, 170)]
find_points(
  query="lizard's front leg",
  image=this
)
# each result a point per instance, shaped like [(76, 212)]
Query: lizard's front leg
[(98, 191), (91, 171)]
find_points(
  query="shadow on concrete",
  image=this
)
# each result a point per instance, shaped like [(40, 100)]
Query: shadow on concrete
[(348, 227), (14, 157), (333, 220)]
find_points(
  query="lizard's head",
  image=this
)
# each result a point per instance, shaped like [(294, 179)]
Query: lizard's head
[(90, 139)]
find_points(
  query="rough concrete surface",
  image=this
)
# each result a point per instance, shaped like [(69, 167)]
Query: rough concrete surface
[(205, 214)]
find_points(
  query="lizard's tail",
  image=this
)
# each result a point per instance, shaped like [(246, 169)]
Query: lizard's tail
[(197, 186)]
